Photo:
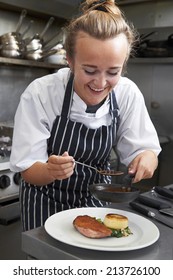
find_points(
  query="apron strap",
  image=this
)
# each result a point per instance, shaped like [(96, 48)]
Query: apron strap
[(114, 109), (68, 97)]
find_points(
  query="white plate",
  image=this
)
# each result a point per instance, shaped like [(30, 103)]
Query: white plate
[(60, 226)]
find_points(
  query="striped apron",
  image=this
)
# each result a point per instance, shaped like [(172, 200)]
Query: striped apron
[(90, 146)]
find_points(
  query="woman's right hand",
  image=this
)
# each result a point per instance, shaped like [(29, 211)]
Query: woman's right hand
[(60, 167), (56, 168)]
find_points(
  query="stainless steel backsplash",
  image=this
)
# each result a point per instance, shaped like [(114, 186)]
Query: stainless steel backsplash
[(13, 81)]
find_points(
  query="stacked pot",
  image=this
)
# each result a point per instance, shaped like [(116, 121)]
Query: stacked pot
[(11, 44), (35, 46)]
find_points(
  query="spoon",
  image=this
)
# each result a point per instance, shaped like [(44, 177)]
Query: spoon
[(103, 172)]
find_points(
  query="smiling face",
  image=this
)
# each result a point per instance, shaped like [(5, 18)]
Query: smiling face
[(97, 66)]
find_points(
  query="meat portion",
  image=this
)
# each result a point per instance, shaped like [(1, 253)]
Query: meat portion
[(90, 227)]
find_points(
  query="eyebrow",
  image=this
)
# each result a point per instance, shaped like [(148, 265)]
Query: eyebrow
[(93, 66)]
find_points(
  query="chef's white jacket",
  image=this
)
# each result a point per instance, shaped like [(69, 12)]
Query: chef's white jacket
[(42, 101)]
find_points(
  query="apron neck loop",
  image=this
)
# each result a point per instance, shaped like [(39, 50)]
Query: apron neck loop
[(114, 110), (68, 97)]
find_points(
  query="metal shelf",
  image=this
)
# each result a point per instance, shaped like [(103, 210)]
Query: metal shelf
[(153, 60), (128, 2), (29, 63)]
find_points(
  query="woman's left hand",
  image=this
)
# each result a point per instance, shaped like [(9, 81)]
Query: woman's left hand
[(143, 166)]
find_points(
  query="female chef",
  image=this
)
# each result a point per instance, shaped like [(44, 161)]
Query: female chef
[(79, 113)]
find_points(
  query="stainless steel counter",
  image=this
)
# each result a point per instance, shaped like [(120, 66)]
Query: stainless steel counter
[(37, 244), (10, 241)]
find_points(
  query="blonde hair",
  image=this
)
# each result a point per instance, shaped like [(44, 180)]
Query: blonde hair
[(101, 20)]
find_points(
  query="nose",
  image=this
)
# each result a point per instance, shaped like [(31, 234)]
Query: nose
[(100, 81)]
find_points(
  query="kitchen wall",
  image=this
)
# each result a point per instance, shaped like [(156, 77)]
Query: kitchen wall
[(58, 8), (13, 81)]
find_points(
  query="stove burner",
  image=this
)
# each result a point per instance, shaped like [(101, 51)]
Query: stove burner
[(9, 185), (9, 181), (4, 181), (9, 195)]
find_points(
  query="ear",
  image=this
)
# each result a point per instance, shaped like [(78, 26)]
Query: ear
[(69, 60)]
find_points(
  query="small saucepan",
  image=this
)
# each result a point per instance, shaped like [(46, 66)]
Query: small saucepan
[(115, 193), (153, 52), (34, 44), (11, 53), (39, 54), (10, 38), (19, 46)]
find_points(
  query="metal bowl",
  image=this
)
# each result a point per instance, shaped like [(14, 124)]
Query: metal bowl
[(115, 193)]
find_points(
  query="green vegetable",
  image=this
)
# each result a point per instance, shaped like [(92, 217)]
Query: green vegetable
[(117, 232), (100, 221), (121, 232)]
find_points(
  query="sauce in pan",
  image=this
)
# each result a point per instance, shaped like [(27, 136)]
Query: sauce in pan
[(121, 189)]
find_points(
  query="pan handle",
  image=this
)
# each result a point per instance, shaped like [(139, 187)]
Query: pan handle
[(128, 179), (144, 36), (27, 28), (45, 43), (48, 53), (50, 21), (22, 16), (29, 39), (153, 202), (49, 47), (164, 192)]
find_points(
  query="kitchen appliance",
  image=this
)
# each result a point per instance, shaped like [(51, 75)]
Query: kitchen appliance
[(168, 193), (9, 181), (145, 211), (163, 206)]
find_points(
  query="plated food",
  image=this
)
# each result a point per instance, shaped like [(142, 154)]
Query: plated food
[(115, 221), (60, 227), (113, 225)]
